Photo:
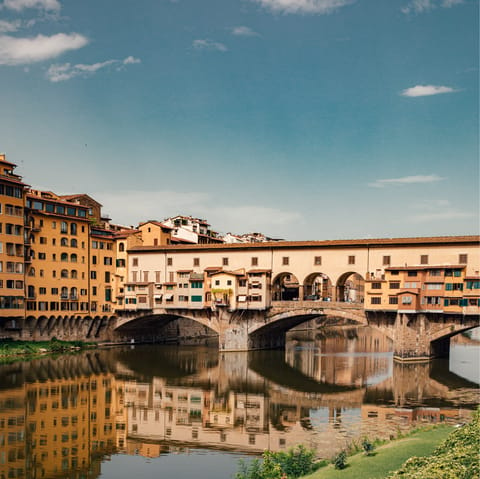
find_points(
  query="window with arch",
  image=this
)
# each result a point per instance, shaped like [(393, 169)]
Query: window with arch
[(31, 272), (73, 274), (64, 227), (73, 228), (64, 242), (64, 273), (121, 247), (64, 257), (64, 292), (73, 258), (73, 293), (74, 243)]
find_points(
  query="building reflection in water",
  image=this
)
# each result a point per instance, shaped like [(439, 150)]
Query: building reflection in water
[(62, 418)]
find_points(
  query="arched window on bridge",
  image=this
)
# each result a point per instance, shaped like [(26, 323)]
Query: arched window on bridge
[(317, 287), (351, 288), (285, 287)]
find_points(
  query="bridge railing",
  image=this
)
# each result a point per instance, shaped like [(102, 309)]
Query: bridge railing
[(315, 304)]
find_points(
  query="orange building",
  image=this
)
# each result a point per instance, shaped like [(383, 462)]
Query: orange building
[(57, 256), (12, 264), (432, 288)]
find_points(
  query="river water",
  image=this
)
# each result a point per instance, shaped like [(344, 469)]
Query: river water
[(178, 412)]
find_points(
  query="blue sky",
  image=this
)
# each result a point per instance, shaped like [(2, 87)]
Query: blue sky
[(303, 119)]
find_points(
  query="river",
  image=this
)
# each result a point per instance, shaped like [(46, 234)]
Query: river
[(179, 412)]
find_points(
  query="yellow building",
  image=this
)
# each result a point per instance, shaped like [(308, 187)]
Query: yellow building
[(432, 288), (12, 203), (102, 270), (57, 256)]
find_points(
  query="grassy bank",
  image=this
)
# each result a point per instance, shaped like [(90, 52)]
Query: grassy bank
[(387, 458), (19, 350)]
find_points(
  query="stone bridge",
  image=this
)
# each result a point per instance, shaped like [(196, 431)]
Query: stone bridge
[(243, 330)]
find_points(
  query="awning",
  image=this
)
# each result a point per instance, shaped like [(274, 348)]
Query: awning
[(157, 296), (242, 299), (168, 297)]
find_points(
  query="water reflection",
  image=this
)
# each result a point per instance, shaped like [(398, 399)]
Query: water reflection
[(63, 417)]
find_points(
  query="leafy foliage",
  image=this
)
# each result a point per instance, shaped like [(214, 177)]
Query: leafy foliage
[(340, 460), (368, 447), (294, 463), (456, 458)]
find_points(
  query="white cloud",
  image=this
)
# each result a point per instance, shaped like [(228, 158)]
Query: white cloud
[(203, 44), (8, 27), (442, 215), (427, 90), (243, 31), (66, 71), (132, 207), (303, 6), (422, 6), (131, 60), (406, 180), (21, 51), (19, 5)]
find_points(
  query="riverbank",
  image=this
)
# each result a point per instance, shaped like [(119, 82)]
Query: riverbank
[(11, 351), (388, 457)]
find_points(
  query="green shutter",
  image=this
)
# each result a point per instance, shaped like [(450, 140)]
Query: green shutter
[(464, 302), (197, 299), (449, 287), (446, 302)]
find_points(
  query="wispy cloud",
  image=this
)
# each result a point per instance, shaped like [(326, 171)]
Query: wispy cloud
[(8, 27), (423, 6), (242, 31), (19, 5), (318, 7), (66, 71), (406, 180), (21, 51), (125, 207), (203, 44), (427, 90), (437, 210)]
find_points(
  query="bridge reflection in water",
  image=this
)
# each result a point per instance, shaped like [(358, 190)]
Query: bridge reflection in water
[(62, 417)]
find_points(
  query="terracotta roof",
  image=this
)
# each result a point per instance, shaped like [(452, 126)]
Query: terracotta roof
[(233, 273), (213, 268), (156, 223), (352, 243), (184, 270), (11, 179), (425, 267), (259, 271), (79, 195)]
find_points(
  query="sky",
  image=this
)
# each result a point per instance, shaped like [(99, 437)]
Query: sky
[(301, 119)]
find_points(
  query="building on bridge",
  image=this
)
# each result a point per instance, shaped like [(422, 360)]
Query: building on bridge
[(405, 274)]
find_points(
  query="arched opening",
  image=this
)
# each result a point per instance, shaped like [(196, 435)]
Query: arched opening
[(317, 287), (121, 247), (350, 288), (63, 241), (285, 287), (73, 243)]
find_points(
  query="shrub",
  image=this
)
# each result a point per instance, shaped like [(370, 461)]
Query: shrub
[(368, 447), (340, 460), (294, 463)]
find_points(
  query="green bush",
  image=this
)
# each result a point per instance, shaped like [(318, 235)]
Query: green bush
[(340, 460), (294, 463), (456, 458), (368, 447)]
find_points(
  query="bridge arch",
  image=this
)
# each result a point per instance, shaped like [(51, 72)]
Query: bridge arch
[(285, 287), (317, 286), (148, 324), (350, 287)]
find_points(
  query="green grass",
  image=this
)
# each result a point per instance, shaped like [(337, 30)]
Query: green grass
[(387, 458), (11, 351)]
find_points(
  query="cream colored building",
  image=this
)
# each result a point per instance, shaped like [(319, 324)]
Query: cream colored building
[(325, 270)]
